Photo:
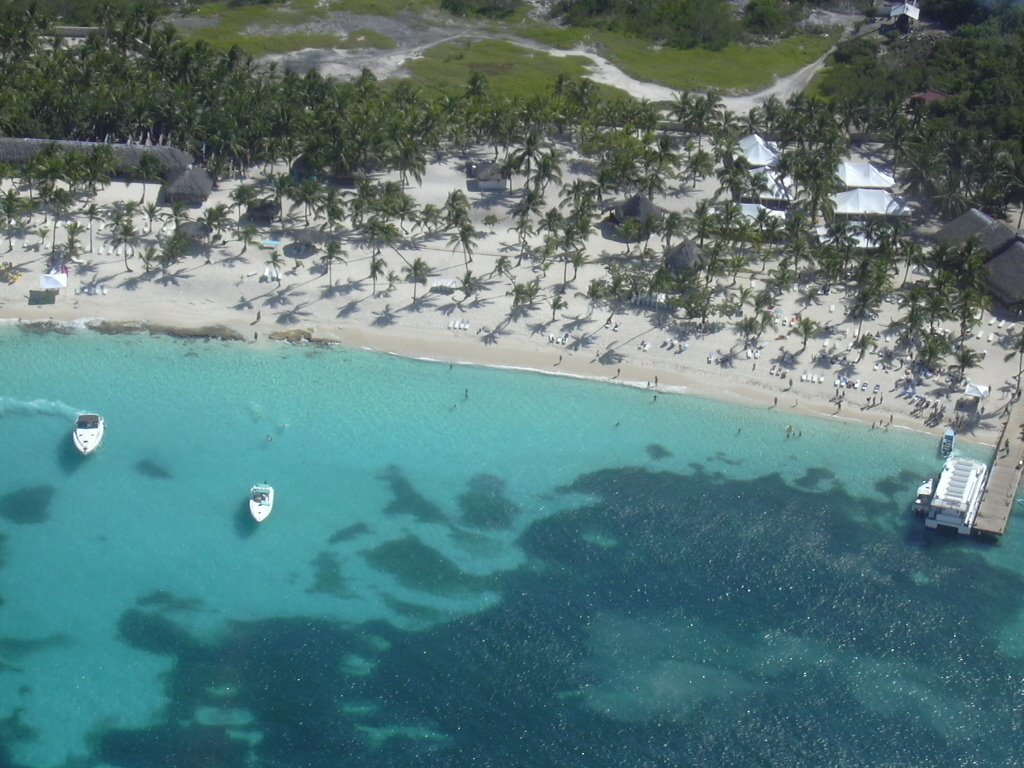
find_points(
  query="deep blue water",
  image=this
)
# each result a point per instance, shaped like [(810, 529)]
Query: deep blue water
[(469, 567)]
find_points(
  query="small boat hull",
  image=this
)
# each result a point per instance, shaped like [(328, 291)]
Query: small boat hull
[(261, 502), (948, 442), (88, 434)]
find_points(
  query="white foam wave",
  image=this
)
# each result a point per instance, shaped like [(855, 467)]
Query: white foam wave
[(13, 406)]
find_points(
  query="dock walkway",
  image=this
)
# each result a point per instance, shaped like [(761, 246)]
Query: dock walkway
[(1004, 477)]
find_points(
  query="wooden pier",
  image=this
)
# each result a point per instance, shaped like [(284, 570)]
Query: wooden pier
[(1004, 476)]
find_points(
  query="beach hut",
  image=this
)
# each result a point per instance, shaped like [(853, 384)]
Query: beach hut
[(263, 213), (488, 177), (638, 208), (1006, 275), (194, 231), (192, 187), (684, 258)]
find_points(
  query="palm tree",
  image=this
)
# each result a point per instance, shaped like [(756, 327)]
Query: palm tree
[(524, 294), (465, 239), (805, 328), (12, 209), (557, 302), (332, 252), (309, 194), (92, 212), (151, 210), (966, 358), (863, 343), (378, 232), (125, 236), (74, 230), (470, 284), (276, 261), (242, 197), (377, 270), (503, 266), (418, 272), (247, 235)]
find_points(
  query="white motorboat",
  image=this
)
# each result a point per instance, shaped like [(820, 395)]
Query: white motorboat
[(261, 502), (948, 442), (923, 500), (88, 434)]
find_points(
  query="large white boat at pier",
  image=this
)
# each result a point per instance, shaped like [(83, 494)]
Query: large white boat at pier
[(953, 500)]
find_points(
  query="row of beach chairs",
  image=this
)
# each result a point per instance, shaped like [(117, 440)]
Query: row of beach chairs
[(458, 325)]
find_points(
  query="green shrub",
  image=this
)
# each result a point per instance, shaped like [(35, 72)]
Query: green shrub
[(768, 17), (490, 9)]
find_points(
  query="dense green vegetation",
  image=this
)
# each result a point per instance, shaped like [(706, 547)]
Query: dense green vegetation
[(707, 24), (960, 151)]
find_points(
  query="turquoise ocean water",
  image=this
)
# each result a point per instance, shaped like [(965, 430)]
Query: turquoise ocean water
[(470, 567)]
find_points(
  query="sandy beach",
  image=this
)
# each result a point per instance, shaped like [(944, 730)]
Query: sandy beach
[(228, 290)]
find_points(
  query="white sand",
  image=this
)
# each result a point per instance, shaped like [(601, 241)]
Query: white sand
[(229, 292)]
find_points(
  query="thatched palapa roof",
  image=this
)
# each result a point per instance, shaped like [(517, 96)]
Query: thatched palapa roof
[(1006, 274), (126, 156), (637, 208), (993, 236), (685, 257), (192, 185)]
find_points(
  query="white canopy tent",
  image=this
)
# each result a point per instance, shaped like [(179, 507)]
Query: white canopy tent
[(778, 187), (752, 210), (53, 281), (863, 176), (758, 152), (979, 391), (868, 202)]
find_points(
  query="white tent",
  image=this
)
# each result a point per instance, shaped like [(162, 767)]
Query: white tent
[(863, 176), (758, 152), (905, 9), (868, 202), (979, 391), (53, 281), (778, 187), (753, 210)]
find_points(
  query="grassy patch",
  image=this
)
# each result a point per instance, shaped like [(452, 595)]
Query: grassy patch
[(509, 68), (384, 7), (735, 68), (367, 38), (266, 29)]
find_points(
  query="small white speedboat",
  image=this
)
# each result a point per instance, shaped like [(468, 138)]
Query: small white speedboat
[(88, 434), (261, 502)]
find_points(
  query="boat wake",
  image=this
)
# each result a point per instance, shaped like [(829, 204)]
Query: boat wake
[(10, 406)]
